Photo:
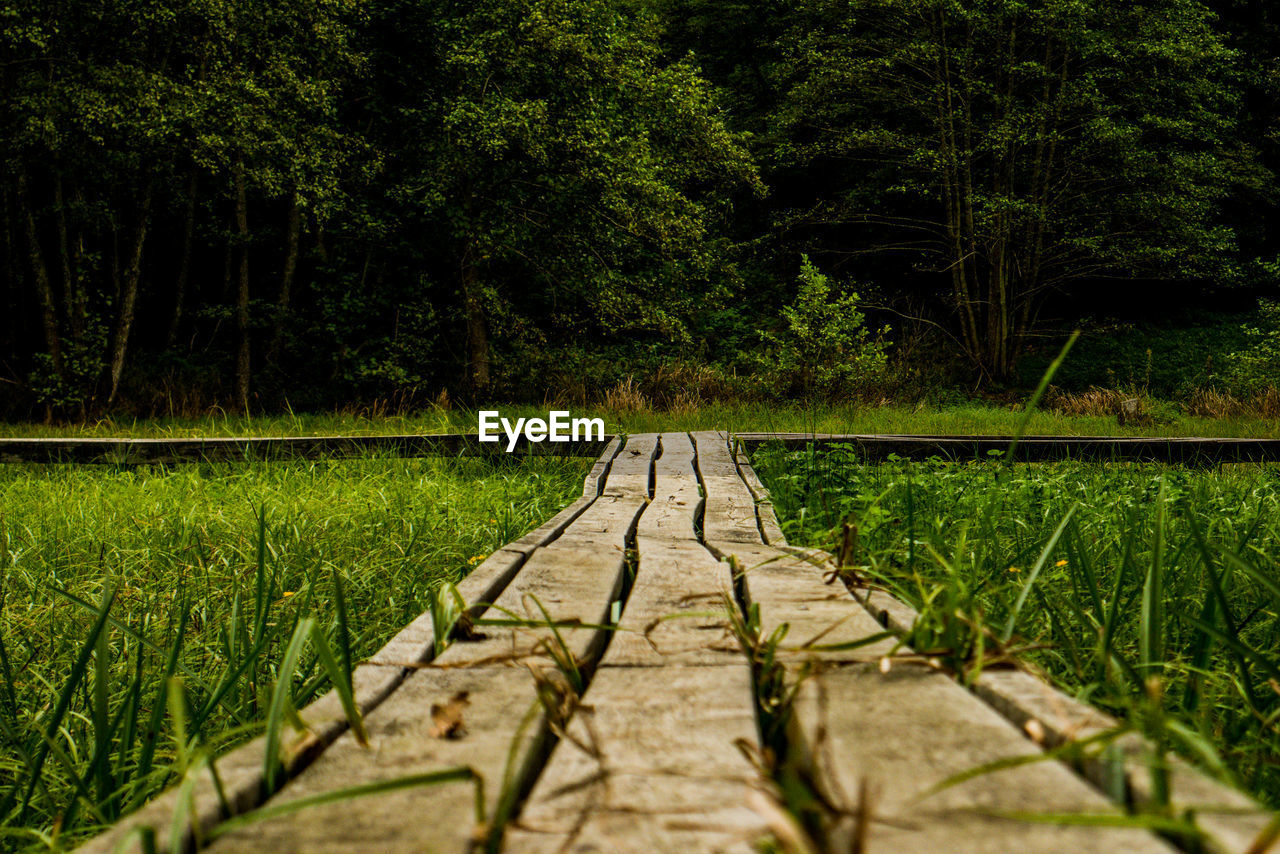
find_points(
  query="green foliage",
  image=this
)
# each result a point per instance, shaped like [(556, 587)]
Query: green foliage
[(154, 617), (1147, 590), (423, 194), (1256, 368), (1009, 147), (1165, 359), (825, 348)]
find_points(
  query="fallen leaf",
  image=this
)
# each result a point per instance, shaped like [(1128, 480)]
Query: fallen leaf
[(447, 719)]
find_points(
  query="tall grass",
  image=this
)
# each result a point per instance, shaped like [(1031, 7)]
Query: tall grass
[(626, 417), (1151, 591), (153, 615)]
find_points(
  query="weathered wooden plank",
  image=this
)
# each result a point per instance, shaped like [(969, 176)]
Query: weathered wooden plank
[(676, 457), (650, 765), (651, 762), (729, 513), (632, 472), (609, 521), (676, 612), (574, 585), (593, 483), (654, 766), (673, 512), (404, 741), (923, 728), (1232, 820), (790, 589), (902, 732), (770, 529)]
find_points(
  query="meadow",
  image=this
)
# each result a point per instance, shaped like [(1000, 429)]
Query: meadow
[(1150, 591), (634, 413), (113, 580)]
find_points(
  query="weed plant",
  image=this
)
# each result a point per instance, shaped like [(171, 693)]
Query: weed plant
[(632, 412), (152, 617), (1148, 590)]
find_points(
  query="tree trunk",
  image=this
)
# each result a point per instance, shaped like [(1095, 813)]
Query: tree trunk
[(184, 264), (44, 288), (478, 368), (12, 288), (242, 293), (129, 294), (292, 229), (64, 255)]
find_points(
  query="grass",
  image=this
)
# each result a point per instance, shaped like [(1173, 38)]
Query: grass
[(150, 615), (969, 418), (1148, 590)]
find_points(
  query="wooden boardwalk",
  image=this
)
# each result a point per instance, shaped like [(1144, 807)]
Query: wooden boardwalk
[(651, 740)]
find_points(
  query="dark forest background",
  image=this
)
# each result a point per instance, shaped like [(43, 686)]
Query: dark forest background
[(313, 203)]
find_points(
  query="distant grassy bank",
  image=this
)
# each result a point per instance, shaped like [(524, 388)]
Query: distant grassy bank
[(969, 418)]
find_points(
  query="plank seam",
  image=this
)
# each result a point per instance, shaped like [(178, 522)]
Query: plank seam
[(596, 650)]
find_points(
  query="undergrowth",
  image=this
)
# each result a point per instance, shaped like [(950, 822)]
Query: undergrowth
[(152, 617), (1125, 583)]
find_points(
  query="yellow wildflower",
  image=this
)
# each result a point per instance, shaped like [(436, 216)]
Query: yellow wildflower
[(1061, 563)]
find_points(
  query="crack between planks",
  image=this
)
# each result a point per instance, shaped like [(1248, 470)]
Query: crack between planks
[(736, 447), (537, 763)]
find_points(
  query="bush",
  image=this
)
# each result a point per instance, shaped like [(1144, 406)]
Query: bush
[(825, 349), (1253, 371)]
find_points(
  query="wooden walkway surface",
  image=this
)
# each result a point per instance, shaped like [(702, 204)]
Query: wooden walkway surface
[(650, 741)]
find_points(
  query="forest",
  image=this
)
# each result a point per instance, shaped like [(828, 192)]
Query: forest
[(843, 232), (314, 203)]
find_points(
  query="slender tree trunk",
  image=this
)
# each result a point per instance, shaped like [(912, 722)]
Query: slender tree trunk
[(64, 255), (129, 295), (184, 263), (478, 362), (44, 288), (242, 292), (80, 304), (953, 193), (11, 286), (293, 227), (322, 248)]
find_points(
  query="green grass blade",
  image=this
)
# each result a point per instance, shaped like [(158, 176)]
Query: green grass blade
[(77, 673), (1040, 563), (340, 678), (280, 697), (1034, 401), (1151, 624)]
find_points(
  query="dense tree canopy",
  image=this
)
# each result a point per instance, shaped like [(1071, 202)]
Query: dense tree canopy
[(228, 202), (1012, 146)]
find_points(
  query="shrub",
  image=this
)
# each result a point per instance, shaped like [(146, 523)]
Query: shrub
[(1253, 371), (825, 349)]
